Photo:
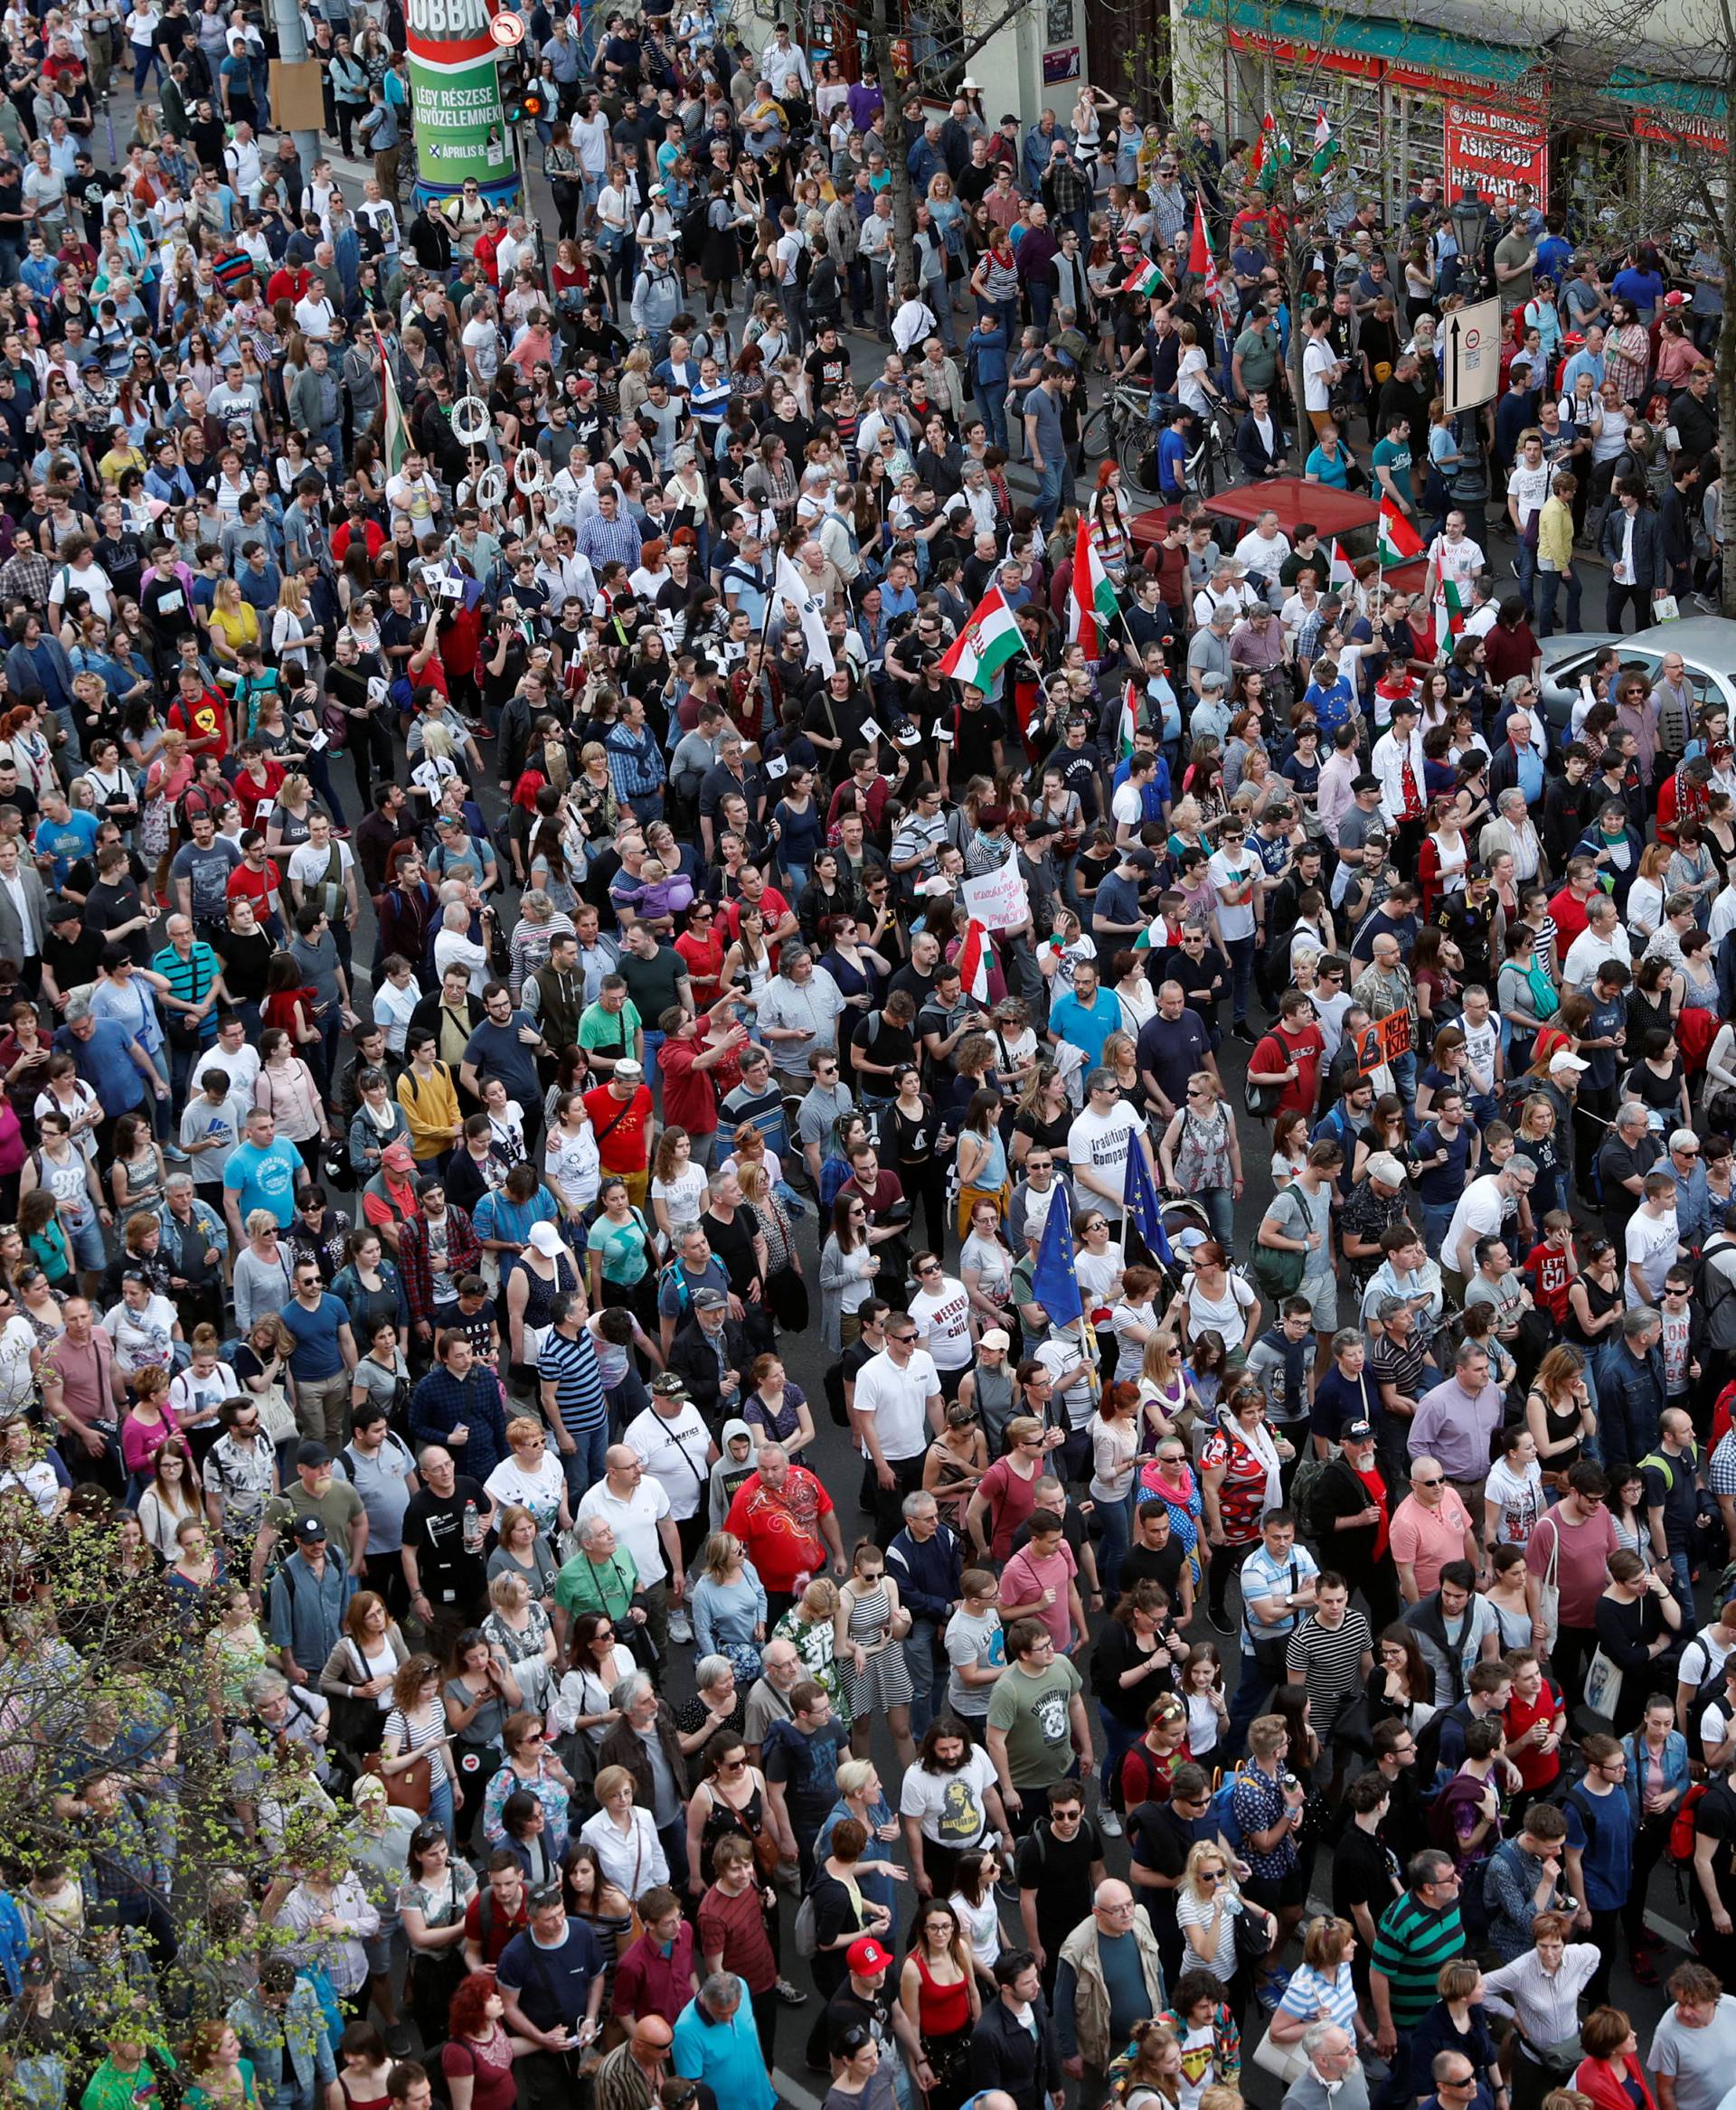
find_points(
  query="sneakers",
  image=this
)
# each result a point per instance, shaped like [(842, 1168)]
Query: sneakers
[(1644, 1971), (1108, 1823), (681, 1628), (1244, 1032), (1219, 1622), (791, 1995)]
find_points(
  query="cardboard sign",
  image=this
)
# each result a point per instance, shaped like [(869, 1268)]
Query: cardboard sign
[(998, 899), (1383, 1041)]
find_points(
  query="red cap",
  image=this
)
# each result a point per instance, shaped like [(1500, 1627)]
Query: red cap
[(866, 1957)]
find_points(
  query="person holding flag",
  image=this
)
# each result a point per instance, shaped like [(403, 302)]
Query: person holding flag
[(1098, 1143), (1454, 561)]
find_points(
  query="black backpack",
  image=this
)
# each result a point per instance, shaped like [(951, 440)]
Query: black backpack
[(1716, 1294)]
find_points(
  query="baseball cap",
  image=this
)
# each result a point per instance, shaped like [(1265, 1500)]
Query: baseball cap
[(710, 1300), (1358, 1432), (312, 1454), (399, 1156), (1141, 860), (866, 1956), (1560, 1065), (1385, 1168), (545, 1239), (310, 1530), (668, 1385), (997, 1338)]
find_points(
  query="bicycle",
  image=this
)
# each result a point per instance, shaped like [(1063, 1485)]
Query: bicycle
[(1122, 426)]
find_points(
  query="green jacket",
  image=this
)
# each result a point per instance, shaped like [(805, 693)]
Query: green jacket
[(582, 1586)]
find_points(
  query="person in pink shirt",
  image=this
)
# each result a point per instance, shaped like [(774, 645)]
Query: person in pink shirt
[(1431, 1527), (1040, 1582)]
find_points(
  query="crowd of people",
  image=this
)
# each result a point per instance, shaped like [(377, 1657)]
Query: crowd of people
[(433, 1660)]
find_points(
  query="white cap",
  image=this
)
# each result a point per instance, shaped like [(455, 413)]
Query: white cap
[(1563, 1064), (545, 1239)]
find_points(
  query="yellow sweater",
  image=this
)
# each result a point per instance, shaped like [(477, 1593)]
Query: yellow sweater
[(1556, 535), (431, 1108)]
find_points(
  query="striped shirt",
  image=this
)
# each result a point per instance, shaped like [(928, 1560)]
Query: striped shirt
[(1329, 1661), (1410, 1944), (570, 1367)]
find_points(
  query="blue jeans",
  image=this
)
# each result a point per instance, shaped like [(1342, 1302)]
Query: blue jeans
[(1118, 1739), (1048, 489), (991, 398), (584, 1467), (440, 1799), (1525, 564), (919, 1660), (1241, 951), (1549, 584), (1404, 1080), (1435, 1218), (1042, 299), (1253, 1689)]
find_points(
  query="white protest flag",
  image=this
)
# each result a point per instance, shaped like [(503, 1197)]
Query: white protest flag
[(791, 587)]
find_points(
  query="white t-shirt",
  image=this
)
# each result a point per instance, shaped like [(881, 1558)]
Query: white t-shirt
[(899, 1400), (1235, 921), (675, 1455), (1319, 359), (951, 1808), (539, 1491), (1527, 488), (1651, 1247), (309, 867), (636, 1522), (943, 1323), (1103, 1141), (1521, 1499), (1480, 1210)]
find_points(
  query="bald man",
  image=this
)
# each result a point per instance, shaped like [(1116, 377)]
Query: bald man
[(631, 2076), (1116, 1947), (628, 1498)]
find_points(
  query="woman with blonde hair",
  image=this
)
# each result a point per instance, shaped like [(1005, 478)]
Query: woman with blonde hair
[(233, 623), (1321, 1989), (1207, 1902), (623, 1837), (1200, 1153), (1561, 1413), (785, 1291), (291, 626)]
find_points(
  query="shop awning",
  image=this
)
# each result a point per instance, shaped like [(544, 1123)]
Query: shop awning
[(1397, 44), (1686, 101)]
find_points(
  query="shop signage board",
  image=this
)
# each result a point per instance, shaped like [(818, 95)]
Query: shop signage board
[(1495, 150), (1470, 356)]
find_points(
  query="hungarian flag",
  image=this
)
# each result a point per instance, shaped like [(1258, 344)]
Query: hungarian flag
[(1271, 153), (973, 961), (1144, 277), (1201, 262), (1338, 573), (395, 432), (1090, 595), (1129, 717), (1396, 541), (1326, 147), (987, 641), (1453, 597)]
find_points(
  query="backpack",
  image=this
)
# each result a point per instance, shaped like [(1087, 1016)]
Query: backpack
[(1309, 1473), (1261, 1099), (1224, 1808), (1711, 1693), (1716, 1294), (1681, 1827), (808, 1937)]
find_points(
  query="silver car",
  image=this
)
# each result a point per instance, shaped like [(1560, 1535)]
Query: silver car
[(1707, 644)]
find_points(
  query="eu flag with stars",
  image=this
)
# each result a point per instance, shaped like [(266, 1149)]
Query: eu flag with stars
[(1139, 1199), (1054, 1280)]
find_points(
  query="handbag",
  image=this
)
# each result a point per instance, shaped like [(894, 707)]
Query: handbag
[(1255, 1932), (408, 1789), (277, 1422), (1284, 2062), (1603, 1683), (1664, 607), (1277, 1271), (1549, 1596)]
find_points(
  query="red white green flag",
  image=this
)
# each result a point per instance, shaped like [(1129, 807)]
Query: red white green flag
[(1396, 541), (1338, 573), (1091, 596), (1453, 595), (1144, 277), (987, 641), (1199, 260)]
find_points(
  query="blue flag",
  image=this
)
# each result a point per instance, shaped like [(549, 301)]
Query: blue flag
[(1139, 1199), (1054, 1280)]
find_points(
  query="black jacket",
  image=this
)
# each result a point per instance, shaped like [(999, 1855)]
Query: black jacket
[(694, 1360), (1339, 1492), (1251, 450), (1004, 2054), (1645, 549)]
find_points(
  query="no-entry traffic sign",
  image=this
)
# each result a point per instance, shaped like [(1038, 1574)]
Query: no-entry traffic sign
[(507, 29)]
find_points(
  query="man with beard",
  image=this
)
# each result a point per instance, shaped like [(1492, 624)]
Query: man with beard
[(950, 1804)]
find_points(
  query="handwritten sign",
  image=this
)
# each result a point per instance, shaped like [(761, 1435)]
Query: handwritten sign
[(1383, 1041), (998, 900)]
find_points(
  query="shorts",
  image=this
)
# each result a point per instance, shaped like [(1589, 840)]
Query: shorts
[(1276, 1892), (1322, 1293)]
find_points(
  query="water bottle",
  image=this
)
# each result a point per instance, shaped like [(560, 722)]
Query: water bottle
[(472, 1529)]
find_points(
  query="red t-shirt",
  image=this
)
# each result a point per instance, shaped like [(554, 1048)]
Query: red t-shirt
[(251, 794), (1308, 1051), (1571, 919), (206, 724), (1536, 1768), (704, 959), (622, 1141), (1551, 1275), (255, 885), (773, 907), (689, 1096)]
